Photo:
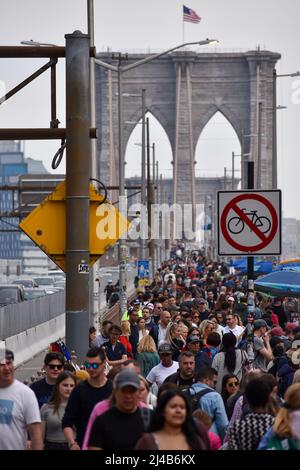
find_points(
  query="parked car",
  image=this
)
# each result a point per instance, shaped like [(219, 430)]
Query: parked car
[(44, 281), (34, 293), (11, 294), (61, 284), (25, 282), (57, 275)]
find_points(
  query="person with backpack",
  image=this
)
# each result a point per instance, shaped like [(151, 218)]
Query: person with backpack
[(203, 395)]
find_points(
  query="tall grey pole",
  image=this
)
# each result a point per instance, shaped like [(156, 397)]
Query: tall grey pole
[(232, 176), (258, 184), (153, 164), (274, 146), (243, 166), (78, 170), (144, 223), (94, 291), (90, 11), (162, 201), (157, 202), (225, 178), (154, 262), (157, 182), (149, 197), (122, 199)]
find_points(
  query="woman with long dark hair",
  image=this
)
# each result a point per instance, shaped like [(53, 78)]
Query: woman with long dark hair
[(230, 387), (52, 412), (172, 426), (229, 360)]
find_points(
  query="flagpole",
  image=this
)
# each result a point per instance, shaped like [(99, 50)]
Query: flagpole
[(182, 24)]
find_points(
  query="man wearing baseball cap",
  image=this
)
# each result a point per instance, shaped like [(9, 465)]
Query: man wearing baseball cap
[(201, 358), (166, 366), (122, 425), (19, 409), (261, 345)]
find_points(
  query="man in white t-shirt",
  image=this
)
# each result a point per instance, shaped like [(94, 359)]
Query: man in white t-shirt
[(19, 410), (233, 327), (166, 367)]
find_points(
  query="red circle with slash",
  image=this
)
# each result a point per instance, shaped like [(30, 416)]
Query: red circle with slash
[(265, 240)]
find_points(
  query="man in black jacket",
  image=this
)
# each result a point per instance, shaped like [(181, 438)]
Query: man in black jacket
[(134, 329)]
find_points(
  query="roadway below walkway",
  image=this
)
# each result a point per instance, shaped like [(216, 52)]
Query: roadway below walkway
[(31, 368)]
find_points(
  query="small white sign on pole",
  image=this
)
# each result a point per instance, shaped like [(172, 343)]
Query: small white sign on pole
[(249, 223)]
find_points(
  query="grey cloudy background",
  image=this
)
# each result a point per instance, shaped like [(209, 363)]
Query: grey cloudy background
[(144, 25)]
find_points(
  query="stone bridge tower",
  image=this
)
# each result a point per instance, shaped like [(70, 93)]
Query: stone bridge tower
[(183, 91)]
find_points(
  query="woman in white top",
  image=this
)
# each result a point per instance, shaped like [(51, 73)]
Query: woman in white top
[(143, 331), (229, 360)]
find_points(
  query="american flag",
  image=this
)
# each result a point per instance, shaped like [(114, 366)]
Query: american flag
[(190, 15)]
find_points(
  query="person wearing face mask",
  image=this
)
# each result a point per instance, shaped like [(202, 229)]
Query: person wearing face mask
[(285, 433)]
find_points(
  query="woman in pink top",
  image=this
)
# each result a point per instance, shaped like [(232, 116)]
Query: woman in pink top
[(205, 419)]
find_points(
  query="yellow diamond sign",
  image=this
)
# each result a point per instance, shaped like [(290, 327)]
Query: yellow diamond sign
[(46, 225)]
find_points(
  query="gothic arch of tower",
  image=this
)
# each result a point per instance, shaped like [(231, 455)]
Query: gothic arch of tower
[(183, 91)]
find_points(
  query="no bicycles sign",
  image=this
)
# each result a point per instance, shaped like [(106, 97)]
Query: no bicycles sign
[(249, 222)]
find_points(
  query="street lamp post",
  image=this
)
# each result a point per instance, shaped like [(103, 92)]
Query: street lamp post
[(225, 178), (120, 70), (274, 109), (233, 170), (245, 164)]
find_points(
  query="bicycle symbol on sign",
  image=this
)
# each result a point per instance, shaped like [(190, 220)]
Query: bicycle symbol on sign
[(236, 224)]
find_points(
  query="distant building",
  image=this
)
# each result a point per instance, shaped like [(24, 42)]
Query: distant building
[(290, 238), (12, 166)]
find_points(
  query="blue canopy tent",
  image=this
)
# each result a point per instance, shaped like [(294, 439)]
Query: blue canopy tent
[(288, 264), (284, 283), (260, 267)]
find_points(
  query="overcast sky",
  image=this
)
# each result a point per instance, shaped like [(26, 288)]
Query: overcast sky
[(144, 25)]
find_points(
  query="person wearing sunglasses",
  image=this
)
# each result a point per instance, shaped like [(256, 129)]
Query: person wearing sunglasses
[(53, 366), (85, 396), (230, 387)]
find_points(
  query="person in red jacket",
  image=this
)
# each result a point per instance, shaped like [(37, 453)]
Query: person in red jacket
[(124, 338)]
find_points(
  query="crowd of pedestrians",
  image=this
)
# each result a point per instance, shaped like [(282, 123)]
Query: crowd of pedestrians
[(192, 365)]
